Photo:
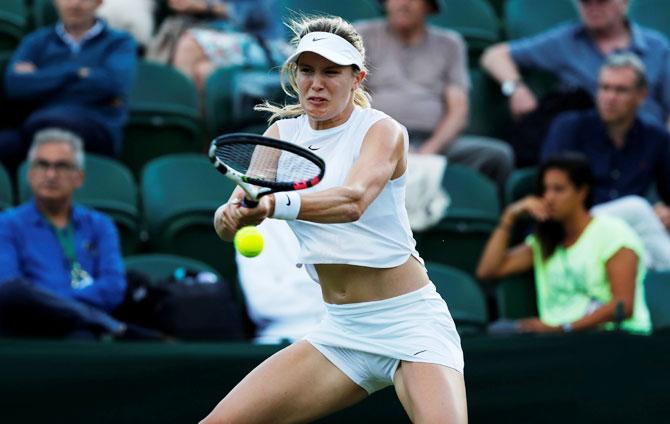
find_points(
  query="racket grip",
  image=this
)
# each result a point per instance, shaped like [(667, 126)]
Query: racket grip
[(249, 203)]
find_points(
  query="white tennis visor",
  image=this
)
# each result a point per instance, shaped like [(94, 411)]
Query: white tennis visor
[(331, 46)]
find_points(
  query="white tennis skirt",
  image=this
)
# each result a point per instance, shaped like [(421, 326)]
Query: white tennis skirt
[(413, 327)]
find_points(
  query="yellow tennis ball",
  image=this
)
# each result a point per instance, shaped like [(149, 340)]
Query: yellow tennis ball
[(248, 241)]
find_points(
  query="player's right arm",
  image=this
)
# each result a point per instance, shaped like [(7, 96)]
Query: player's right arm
[(231, 216)]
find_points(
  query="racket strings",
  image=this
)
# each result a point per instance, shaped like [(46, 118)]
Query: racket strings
[(267, 163)]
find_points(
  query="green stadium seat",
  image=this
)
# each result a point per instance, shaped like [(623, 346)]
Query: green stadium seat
[(349, 10), (13, 23), (521, 183), (524, 18), (475, 20), (657, 287), (466, 300), (459, 238), (516, 297), (231, 95), (180, 194), (5, 121), (653, 14), (489, 113), (44, 13), (109, 187), (160, 266), (164, 116), (498, 6), (6, 191)]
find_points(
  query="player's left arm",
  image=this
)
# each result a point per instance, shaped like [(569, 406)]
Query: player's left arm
[(381, 159)]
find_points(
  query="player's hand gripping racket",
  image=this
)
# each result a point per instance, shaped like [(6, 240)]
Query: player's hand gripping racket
[(264, 165)]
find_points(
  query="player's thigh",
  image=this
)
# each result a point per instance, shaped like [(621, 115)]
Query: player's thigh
[(431, 393), (297, 384)]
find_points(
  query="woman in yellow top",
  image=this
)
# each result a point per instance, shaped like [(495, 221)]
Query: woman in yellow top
[(584, 265)]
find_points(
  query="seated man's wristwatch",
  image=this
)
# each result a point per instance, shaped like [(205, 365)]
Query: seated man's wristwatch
[(508, 87)]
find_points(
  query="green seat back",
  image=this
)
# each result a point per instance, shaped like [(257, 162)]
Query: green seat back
[(160, 266), (13, 23), (6, 193), (472, 195), (349, 10), (164, 116), (459, 238), (516, 297), (498, 6), (180, 194), (653, 14), (524, 18), (475, 20), (521, 183), (657, 287), (464, 297), (44, 13), (109, 187), (231, 95), (489, 112), (5, 103)]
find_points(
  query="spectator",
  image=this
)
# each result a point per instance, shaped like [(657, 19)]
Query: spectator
[(133, 16), (282, 300), (247, 33), (61, 272), (628, 153), (574, 52), (589, 270), (75, 75), (419, 77)]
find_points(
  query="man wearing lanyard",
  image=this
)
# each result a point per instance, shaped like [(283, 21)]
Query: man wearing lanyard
[(61, 272)]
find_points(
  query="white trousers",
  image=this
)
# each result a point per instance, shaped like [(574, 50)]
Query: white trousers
[(639, 214)]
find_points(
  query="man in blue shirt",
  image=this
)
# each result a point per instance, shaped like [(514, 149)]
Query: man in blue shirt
[(628, 154), (75, 75), (574, 53), (60, 264)]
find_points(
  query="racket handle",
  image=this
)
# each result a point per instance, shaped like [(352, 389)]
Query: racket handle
[(249, 203)]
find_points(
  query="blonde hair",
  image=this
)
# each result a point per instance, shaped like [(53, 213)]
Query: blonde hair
[(300, 27)]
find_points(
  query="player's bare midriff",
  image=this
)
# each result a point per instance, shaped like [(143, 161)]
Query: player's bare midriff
[(342, 284)]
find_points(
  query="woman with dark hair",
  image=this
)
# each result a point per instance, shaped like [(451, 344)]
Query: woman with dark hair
[(584, 265)]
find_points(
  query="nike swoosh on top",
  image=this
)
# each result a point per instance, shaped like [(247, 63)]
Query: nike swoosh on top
[(288, 201), (318, 39), (310, 147)]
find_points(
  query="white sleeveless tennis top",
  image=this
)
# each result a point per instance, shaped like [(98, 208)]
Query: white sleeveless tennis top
[(382, 237)]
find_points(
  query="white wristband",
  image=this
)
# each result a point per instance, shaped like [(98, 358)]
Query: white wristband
[(287, 205)]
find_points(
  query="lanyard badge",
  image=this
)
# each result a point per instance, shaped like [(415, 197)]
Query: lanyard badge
[(79, 278)]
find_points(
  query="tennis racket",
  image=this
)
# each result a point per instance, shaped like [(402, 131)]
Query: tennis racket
[(263, 165)]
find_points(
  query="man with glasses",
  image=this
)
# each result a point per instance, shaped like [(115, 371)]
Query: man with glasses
[(61, 272), (574, 52), (628, 153)]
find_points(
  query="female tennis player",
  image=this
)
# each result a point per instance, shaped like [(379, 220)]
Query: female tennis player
[(385, 323)]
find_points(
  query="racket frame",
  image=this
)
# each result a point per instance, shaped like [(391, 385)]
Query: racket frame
[(256, 188)]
